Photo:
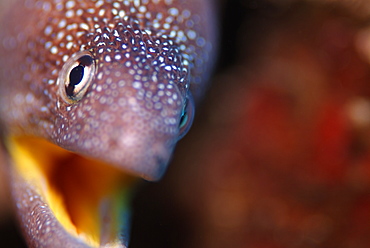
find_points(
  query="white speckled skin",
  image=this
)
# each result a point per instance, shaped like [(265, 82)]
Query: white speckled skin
[(150, 56)]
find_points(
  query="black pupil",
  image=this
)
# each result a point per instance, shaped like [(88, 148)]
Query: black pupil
[(75, 77), (77, 74), (182, 120)]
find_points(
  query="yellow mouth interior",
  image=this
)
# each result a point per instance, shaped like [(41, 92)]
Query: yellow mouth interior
[(88, 198)]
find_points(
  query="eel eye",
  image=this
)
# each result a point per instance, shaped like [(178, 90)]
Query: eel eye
[(187, 116), (76, 76)]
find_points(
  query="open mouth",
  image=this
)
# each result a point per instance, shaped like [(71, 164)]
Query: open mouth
[(89, 198)]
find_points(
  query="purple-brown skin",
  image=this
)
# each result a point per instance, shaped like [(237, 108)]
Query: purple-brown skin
[(152, 60)]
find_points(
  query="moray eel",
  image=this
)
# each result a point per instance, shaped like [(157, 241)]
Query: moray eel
[(93, 96)]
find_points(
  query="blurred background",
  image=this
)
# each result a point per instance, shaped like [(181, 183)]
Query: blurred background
[(279, 154)]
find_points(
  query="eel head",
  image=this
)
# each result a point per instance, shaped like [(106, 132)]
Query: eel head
[(91, 100)]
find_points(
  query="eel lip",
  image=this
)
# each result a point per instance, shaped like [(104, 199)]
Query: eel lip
[(65, 200), (142, 154)]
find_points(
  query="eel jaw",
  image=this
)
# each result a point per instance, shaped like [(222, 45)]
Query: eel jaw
[(65, 200)]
